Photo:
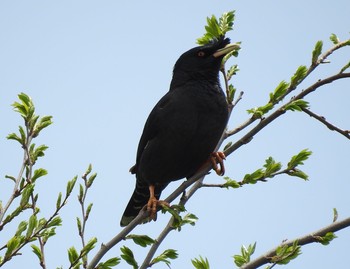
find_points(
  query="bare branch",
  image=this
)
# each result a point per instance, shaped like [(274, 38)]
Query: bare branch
[(330, 126), (241, 127), (320, 83)]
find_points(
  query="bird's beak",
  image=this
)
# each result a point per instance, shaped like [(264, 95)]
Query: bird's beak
[(228, 48)]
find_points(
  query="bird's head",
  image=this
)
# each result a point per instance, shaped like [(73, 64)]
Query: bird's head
[(202, 62)]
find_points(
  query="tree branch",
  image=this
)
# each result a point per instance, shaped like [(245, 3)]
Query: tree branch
[(280, 111), (304, 240), (16, 192), (330, 126)]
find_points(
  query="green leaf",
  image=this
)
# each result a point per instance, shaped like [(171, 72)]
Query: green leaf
[(58, 202), (266, 108), (189, 219), (27, 192), (326, 239), (73, 255), (271, 167), (56, 221), (316, 52), (32, 224), (109, 263), (231, 93), (12, 245), (177, 221), (298, 173), (285, 253), (259, 112), (215, 29), (89, 246), (297, 105), (230, 183), (70, 186), (23, 134), (41, 223), (21, 109), (200, 263), (14, 136), (165, 256), (88, 210), (88, 170), (299, 158), (37, 152), (254, 177), (141, 240), (226, 22), (39, 173), (36, 250), (81, 193), (334, 39), (22, 226), (244, 257), (43, 123), (79, 226), (128, 256), (48, 233), (232, 71), (335, 214), (25, 99), (33, 119), (279, 92), (25, 107), (298, 76), (91, 180), (11, 177)]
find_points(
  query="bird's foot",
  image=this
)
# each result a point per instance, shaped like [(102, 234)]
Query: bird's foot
[(217, 162), (152, 205)]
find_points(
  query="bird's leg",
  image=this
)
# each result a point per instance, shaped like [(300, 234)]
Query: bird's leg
[(218, 158), (153, 203)]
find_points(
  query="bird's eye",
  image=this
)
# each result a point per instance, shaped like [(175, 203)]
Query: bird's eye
[(201, 54)]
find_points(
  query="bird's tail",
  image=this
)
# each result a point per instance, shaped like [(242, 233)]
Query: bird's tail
[(138, 200)]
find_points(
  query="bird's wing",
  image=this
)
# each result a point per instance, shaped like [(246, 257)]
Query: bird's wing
[(170, 110)]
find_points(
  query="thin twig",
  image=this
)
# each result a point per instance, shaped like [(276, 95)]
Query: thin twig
[(306, 239), (42, 250), (239, 98), (320, 83), (84, 215), (16, 192), (330, 126), (147, 261), (241, 126)]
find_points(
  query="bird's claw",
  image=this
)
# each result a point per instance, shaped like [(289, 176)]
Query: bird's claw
[(218, 158), (152, 205)]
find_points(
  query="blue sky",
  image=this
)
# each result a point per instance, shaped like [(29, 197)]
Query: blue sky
[(99, 67)]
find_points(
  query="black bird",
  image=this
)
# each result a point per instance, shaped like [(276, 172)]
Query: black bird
[(183, 128)]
